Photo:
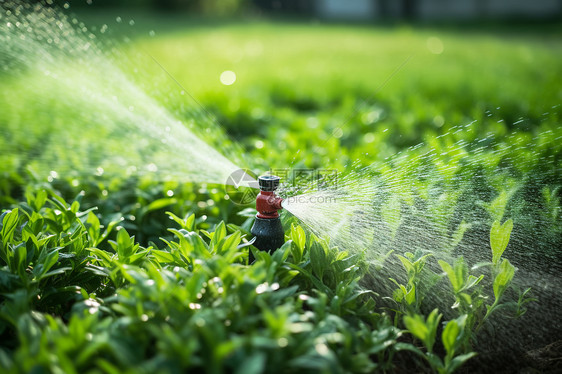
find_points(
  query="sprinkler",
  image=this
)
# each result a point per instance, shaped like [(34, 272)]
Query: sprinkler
[(267, 228)]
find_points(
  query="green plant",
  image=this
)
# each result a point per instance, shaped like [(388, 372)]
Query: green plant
[(191, 304), (452, 337), (471, 302), (410, 296)]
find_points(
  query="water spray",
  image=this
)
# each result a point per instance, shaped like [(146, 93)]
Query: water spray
[(267, 229)]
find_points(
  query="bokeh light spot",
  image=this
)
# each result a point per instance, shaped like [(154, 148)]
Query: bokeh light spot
[(228, 77), (435, 45)]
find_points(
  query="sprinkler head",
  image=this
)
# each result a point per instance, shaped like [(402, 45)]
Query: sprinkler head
[(267, 203), (269, 182)]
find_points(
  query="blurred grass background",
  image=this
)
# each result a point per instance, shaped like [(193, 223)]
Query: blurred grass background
[(308, 94), (378, 89)]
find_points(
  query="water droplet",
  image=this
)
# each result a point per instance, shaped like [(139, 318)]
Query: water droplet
[(66, 6), (118, 19), (151, 33), (132, 22)]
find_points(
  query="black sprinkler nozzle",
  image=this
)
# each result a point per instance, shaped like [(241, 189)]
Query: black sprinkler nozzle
[(269, 182)]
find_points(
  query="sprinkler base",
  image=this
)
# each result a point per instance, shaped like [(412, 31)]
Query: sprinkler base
[(269, 234)]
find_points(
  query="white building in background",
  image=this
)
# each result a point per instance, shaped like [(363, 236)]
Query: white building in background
[(437, 9), (347, 9)]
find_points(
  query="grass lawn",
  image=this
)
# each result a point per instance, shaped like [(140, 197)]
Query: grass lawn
[(171, 290)]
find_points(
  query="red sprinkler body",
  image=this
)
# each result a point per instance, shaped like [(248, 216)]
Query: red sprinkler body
[(267, 204), (267, 228)]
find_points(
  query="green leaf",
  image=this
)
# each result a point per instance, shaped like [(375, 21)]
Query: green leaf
[(9, 224), (298, 236), (190, 222), (187, 224), (503, 279), (411, 295), (407, 264), (432, 322), (451, 274), (36, 201), (218, 234), (228, 244), (75, 207), (424, 330), (162, 256), (160, 203), (93, 228), (461, 273), (417, 327), (20, 260), (45, 262), (125, 244), (449, 336), (318, 259), (459, 360), (472, 281), (103, 255), (499, 238)]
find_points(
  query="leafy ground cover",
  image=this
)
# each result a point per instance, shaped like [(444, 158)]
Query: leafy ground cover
[(104, 281)]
